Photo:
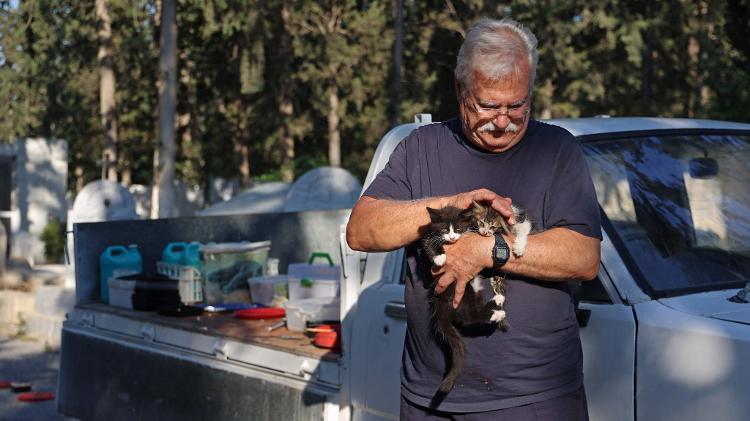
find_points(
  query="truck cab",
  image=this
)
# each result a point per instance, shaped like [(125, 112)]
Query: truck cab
[(663, 336)]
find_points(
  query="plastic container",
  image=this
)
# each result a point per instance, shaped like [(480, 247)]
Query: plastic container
[(117, 261), (268, 290), (192, 255), (190, 280), (318, 309), (308, 280), (173, 252), (227, 266)]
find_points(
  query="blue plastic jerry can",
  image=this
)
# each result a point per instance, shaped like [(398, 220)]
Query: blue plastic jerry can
[(173, 252), (117, 261), (192, 255)]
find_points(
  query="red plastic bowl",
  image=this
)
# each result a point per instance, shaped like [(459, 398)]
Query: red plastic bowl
[(329, 340), (260, 313), (36, 396)]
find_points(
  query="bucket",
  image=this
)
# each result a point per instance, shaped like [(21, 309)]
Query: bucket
[(117, 261), (173, 252)]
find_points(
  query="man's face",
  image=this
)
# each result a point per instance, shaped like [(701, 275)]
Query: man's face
[(495, 114)]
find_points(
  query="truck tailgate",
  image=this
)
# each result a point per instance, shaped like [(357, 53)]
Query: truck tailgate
[(118, 361)]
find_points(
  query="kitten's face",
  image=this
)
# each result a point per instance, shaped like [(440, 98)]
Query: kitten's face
[(487, 219), (450, 222)]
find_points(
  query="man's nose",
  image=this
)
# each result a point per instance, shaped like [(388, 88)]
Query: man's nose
[(501, 120)]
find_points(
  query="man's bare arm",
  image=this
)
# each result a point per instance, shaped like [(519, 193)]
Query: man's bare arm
[(383, 225), (558, 254)]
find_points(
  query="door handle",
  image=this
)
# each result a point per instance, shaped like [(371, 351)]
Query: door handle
[(395, 309), (583, 315)]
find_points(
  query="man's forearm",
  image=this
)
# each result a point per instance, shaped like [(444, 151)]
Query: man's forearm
[(558, 254), (383, 225)]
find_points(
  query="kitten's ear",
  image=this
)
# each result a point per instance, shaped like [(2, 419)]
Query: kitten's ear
[(468, 213), (477, 209), (433, 214)]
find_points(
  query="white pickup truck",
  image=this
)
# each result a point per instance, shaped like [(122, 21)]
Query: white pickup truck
[(664, 331)]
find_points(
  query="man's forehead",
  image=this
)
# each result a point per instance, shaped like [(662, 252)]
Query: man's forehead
[(511, 86)]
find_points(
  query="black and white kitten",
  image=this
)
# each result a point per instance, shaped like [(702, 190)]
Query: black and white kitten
[(489, 222), (447, 225)]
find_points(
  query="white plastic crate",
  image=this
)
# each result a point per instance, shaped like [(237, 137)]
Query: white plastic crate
[(190, 286)]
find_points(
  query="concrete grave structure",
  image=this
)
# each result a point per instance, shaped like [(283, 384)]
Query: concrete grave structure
[(33, 183)]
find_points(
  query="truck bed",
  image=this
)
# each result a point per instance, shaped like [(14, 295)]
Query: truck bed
[(122, 364), (225, 325), (191, 368)]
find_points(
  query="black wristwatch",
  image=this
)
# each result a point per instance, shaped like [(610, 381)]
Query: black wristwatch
[(500, 252)]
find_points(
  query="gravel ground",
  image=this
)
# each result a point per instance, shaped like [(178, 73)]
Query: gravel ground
[(27, 360)]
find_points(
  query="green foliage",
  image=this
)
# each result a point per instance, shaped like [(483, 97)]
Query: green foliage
[(53, 237), (253, 73)]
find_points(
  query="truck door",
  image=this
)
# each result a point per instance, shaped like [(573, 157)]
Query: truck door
[(608, 327), (378, 335)]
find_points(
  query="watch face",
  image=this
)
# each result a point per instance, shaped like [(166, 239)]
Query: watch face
[(501, 253)]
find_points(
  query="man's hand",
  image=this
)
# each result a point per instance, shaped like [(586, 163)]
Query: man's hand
[(384, 225), (499, 203), (465, 259)]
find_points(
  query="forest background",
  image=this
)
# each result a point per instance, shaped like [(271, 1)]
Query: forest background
[(268, 89)]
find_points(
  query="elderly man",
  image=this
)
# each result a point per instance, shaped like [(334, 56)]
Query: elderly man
[(494, 153)]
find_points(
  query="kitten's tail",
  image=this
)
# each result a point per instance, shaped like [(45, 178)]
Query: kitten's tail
[(456, 344)]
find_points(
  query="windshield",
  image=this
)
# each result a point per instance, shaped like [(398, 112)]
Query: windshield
[(679, 207)]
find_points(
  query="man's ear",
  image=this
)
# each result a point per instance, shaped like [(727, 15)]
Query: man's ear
[(457, 86)]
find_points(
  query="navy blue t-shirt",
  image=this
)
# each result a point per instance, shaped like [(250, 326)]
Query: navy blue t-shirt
[(539, 356)]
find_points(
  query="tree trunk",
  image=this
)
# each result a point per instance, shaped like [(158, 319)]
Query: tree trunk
[(162, 199), (398, 52), (287, 141), (286, 106), (647, 62), (107, 86), (334, 131)]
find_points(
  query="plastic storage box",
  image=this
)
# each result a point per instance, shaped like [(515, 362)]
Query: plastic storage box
[(308, 280), (319, 309), (227, 266), (268, 290)]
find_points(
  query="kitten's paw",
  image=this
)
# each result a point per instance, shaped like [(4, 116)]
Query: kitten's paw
[(497, 316), (499, 299), (521, 232), (476, 283), (439, 260)]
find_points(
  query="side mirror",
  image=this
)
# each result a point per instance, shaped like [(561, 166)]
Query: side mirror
[(702, 168)]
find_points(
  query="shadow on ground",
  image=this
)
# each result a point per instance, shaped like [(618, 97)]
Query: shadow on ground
[(27, 360)]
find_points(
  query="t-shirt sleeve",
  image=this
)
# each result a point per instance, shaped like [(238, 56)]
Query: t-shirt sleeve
[(571, 200), (392, 182)]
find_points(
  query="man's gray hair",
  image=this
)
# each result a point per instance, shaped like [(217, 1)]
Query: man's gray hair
[(491, 49)]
